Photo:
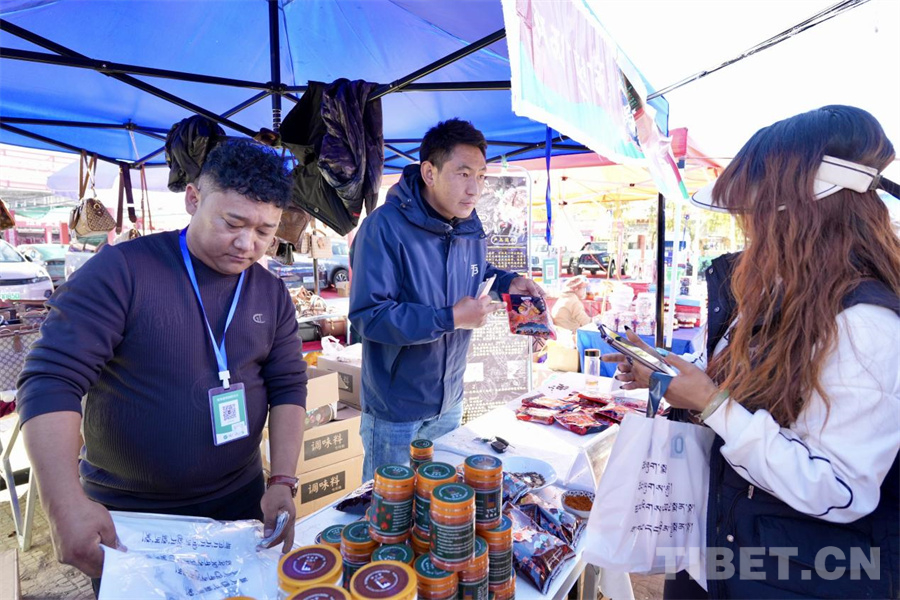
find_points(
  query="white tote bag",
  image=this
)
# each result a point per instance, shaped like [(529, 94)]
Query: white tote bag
[(649, 515)]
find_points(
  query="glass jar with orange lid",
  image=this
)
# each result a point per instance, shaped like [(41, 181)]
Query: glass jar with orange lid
[(429, 477), (308, 566), (421, 543), (420, 452), (384, 580), (484, 473), (473, 580), (507, 591), (330, 536), (435, 583), (322, 592), (452, 526), (356, 548), (500, 553), (390, 515)]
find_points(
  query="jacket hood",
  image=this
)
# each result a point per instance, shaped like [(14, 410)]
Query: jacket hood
[(407, 196)]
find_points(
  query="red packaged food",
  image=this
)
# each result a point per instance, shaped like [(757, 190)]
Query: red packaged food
[(549, 403), (581, 423), (528, 315), (601, 400), (536, 415), (613, 412)]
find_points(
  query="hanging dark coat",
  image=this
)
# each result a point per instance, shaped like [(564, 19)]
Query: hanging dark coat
[(336, 135)]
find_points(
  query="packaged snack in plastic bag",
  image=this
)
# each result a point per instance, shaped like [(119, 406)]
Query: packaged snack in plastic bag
[(513, 488), (537, 554), (528, 315), (582, 423), (357, 501), (543, 416), (549, 403), (599, 400), (553, 517)]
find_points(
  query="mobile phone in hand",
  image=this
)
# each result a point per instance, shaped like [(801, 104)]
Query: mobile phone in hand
[(624, 346), (485, 288)]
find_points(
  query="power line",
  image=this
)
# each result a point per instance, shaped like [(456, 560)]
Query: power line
[(816, 19)]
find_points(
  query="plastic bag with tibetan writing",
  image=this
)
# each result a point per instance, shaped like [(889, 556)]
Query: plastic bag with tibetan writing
[(650, 512)]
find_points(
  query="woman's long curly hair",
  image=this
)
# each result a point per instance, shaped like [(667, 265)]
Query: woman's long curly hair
[(800, 262)]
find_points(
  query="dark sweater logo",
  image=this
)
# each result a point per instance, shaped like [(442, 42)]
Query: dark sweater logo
[(258, 318)]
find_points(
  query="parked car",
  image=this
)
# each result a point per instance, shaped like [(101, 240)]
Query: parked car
[(595, 257), (50, 256), (21, 279), (337, 268), (298, 274), (80, 251)]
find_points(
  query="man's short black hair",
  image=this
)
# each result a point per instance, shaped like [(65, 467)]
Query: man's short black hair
[(439, 142), (250, 169)]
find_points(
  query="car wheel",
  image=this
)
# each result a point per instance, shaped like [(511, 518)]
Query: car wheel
[(611, 269), (624, 269), (574, 269), (593, 271), (340, 276)]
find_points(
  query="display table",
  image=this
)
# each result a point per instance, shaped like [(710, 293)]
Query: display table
[(577, 460), (589, 337)]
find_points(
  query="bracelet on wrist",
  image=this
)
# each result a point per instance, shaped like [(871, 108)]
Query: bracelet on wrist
[(717, 401)]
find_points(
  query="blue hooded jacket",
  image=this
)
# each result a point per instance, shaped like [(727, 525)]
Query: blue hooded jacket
[(409, 269)]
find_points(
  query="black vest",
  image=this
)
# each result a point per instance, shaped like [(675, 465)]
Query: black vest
[(743, 516)]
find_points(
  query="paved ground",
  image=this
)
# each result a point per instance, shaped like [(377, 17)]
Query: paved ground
[(40, 575)]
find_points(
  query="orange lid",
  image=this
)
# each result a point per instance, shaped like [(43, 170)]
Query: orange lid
[(483, 466), (322, 592), (384, 580), (309, 565), (355, 538), (453, 498)]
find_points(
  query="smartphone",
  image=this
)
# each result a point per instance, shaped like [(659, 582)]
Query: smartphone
[(485, 288), (624, 346)]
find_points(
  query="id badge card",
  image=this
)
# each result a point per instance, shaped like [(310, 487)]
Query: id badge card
[(228, 408)]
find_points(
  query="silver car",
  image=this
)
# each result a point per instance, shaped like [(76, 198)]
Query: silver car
[(50, 256)]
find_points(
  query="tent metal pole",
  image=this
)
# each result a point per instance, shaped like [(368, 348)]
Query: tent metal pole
[(408, 157), (275, 63), (249, 102), (490, 142), (529, 148), (445, 86), (127, 79), (109, 68), (660, 268), (51, 141), (438, 64), (81, 124)]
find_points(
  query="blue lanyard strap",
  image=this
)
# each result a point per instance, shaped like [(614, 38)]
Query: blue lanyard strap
[(219, 349)]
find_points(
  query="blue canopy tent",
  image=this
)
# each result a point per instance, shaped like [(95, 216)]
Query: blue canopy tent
[(112, 77)]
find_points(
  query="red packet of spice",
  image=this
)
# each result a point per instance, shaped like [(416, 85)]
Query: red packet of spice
[(614, 413), (528, 315), (601, 400), (536, 415), (581, 423)]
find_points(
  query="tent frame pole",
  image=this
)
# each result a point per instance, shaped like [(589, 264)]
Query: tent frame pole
[(275, 64), (53, 142), (660, 268)]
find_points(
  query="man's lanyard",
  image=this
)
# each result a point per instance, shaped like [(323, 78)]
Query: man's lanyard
[(221, 356)]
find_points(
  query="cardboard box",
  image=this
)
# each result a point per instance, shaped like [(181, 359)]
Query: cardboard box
[(325, 444), (323, 486), (343, 289), (9, 568), (349, 379), (321, 389)]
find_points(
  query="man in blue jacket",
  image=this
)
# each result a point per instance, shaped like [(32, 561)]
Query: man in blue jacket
[(417, 263)]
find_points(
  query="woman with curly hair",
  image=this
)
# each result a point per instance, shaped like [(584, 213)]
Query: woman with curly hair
[(803, 384)]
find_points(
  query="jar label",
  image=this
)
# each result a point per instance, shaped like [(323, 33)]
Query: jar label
[(473, 591), (488, 504), (438, 471), (423, 513), (421, 443), (398, 552), (500, 566), (389, 517), (332, 534), (397, 472), (308, 564), (357, 532), (350, 568), (380, 581), (453, 543)]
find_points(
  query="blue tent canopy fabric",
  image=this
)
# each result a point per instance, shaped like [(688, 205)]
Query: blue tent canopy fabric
[(318, 40)]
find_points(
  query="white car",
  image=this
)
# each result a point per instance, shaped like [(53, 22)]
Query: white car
[(21, 279)]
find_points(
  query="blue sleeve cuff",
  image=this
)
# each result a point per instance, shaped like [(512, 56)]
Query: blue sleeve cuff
[(504, 281), (445, 318)]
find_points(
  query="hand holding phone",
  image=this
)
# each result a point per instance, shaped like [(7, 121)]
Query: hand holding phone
[(626, 347), (485, 288)]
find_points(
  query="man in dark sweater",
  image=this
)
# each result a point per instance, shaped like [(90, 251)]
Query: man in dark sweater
[(176, 391)]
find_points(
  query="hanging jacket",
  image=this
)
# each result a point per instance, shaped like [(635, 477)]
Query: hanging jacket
[(335, 133), (409, 269), (742, 515), (188, 143)]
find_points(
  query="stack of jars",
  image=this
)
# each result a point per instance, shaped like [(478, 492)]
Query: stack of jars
[(501, 576), (435, 583), (452, 526), (384, 580), (473, 580), (484, 474), (420, 452), (390, 514), (307, 567), (330, 536), (356, 548), (428, 477)]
